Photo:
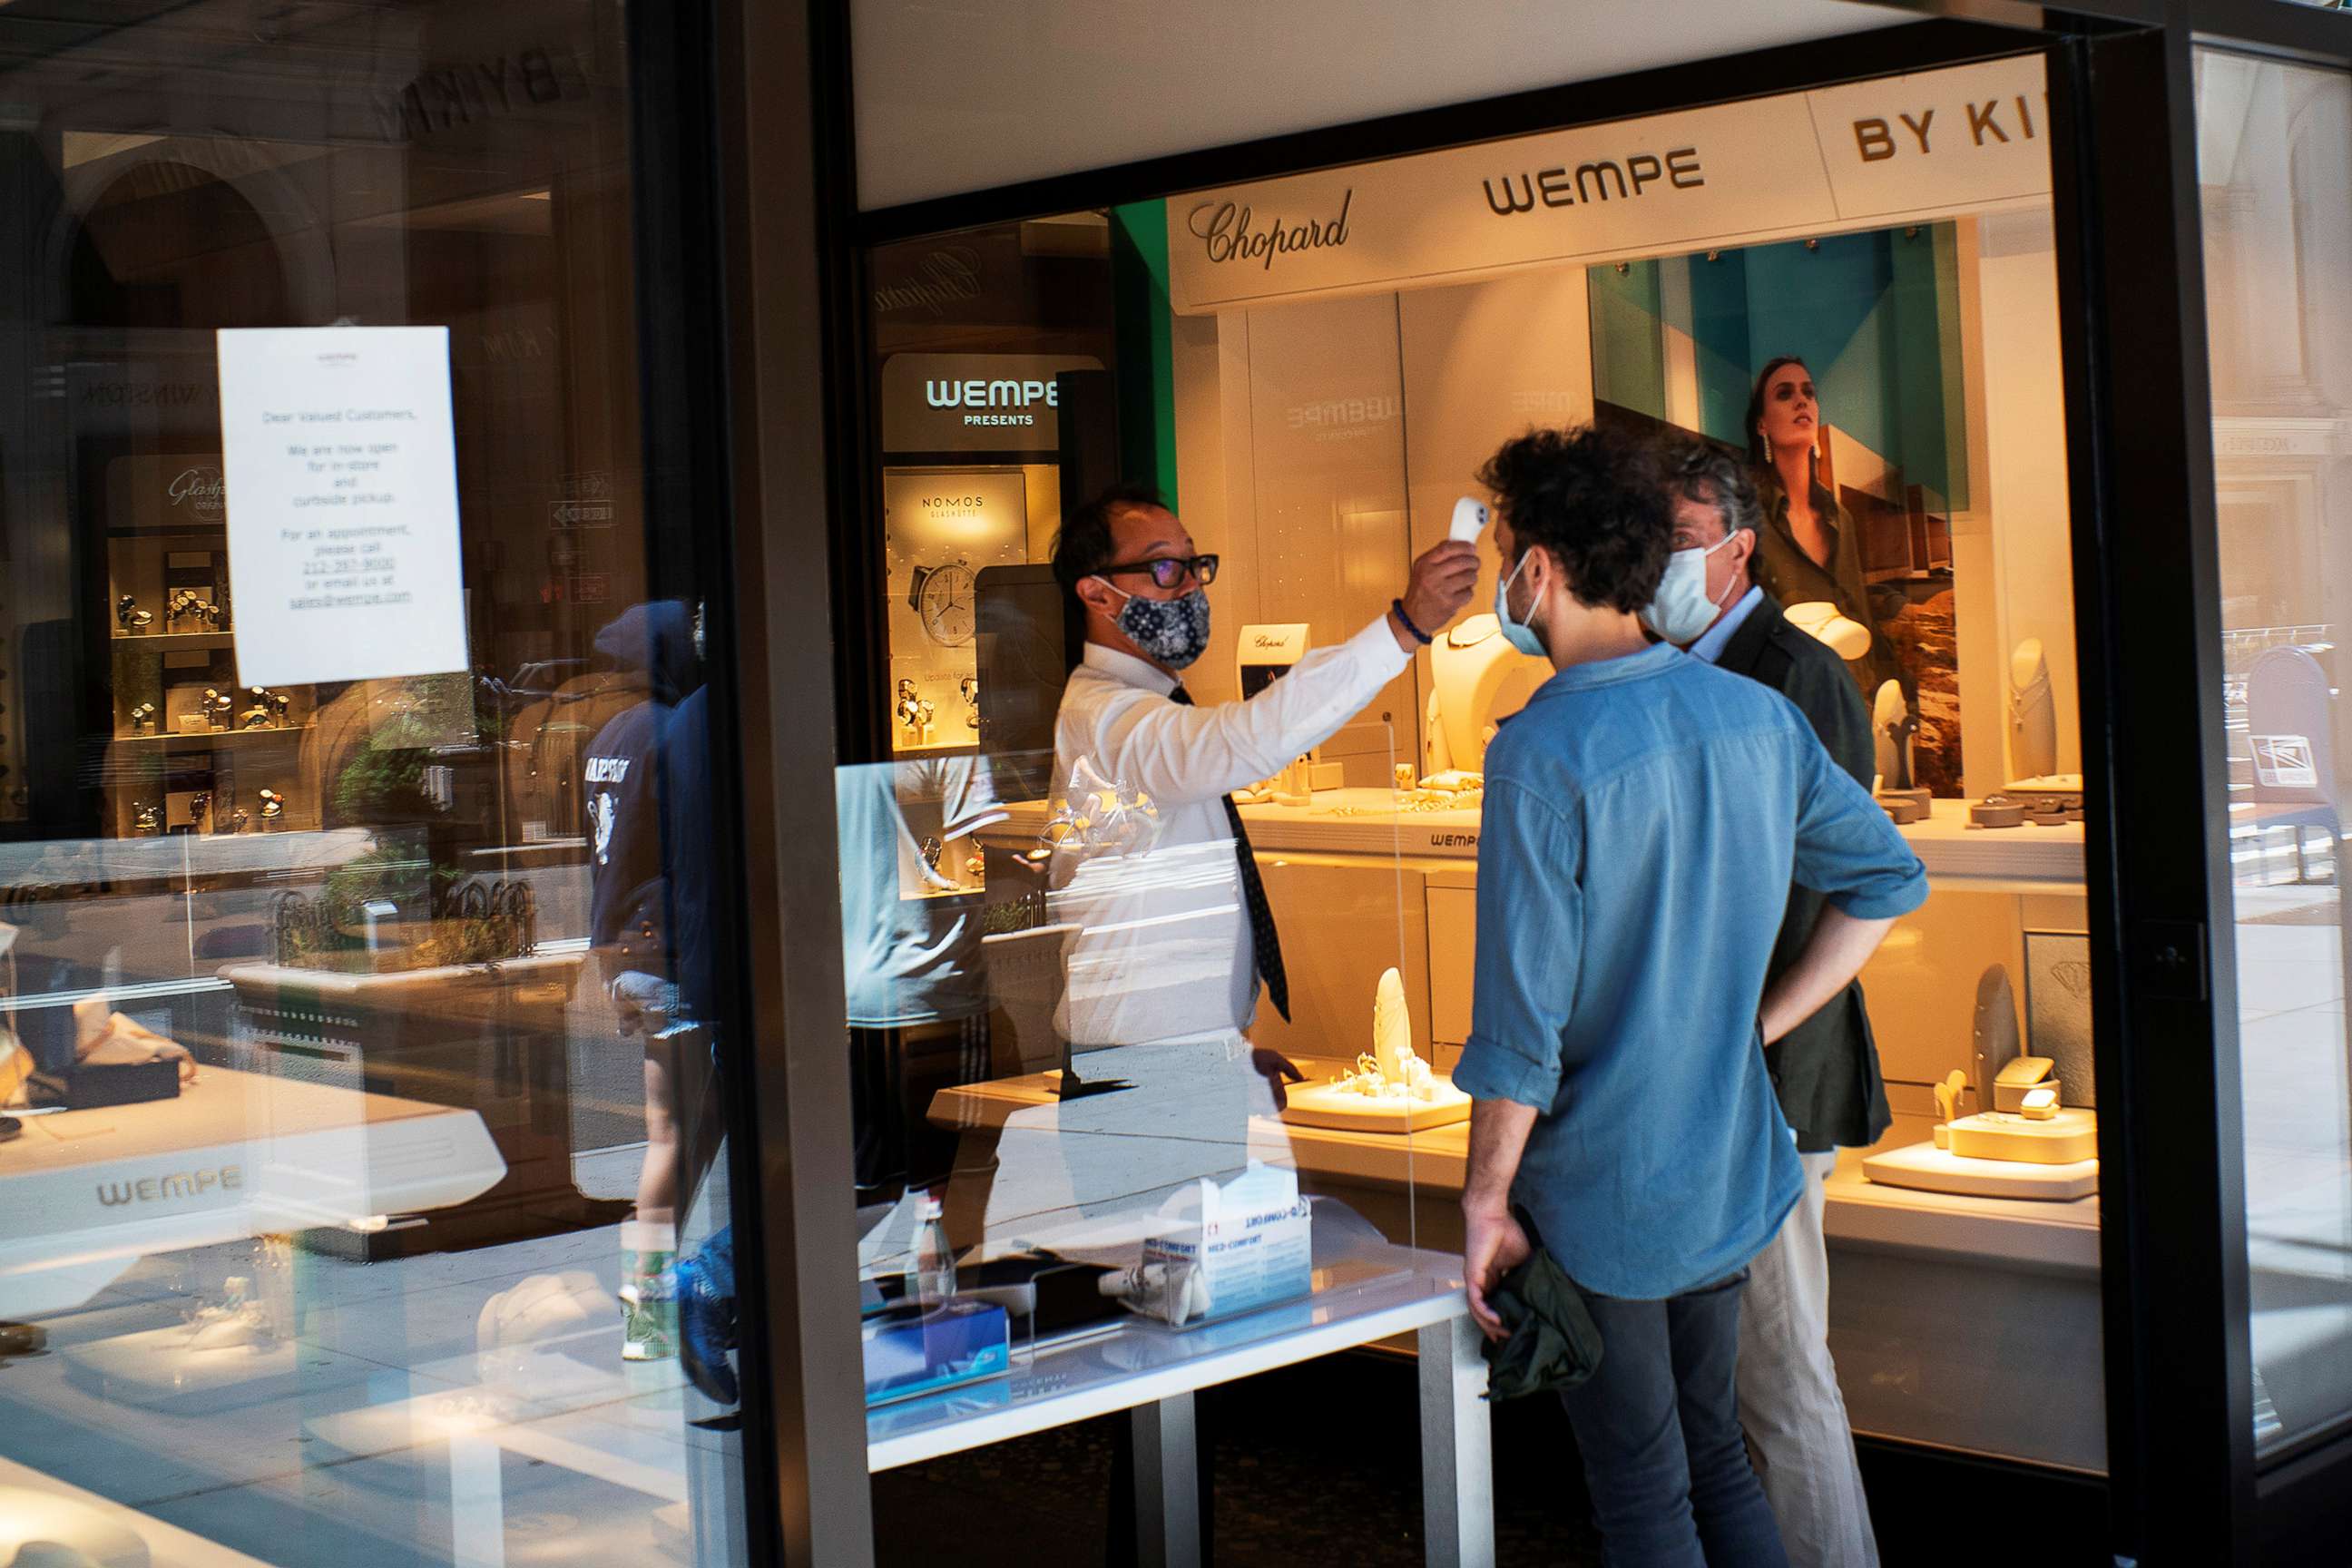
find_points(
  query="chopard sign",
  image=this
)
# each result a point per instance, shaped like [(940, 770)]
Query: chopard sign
[(1229, 232)]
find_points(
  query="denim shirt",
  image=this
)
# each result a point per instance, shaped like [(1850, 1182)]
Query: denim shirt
[(1645, 817)]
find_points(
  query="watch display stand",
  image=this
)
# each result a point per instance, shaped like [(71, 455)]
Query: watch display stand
[(183, 725)]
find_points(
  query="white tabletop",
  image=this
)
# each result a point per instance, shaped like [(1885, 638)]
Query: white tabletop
[(590, 1417), (1373, 1294)]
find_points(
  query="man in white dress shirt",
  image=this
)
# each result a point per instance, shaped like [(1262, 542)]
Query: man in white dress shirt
[(1176, 937)]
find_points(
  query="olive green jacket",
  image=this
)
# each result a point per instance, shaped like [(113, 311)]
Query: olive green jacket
[(1783, 570)]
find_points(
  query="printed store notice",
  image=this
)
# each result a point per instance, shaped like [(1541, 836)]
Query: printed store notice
[(341, 466)]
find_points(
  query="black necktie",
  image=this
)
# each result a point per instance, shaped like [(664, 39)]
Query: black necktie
[(1264, 938)]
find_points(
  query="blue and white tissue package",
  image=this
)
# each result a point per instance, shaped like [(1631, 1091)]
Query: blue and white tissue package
[(1250, 1239), (910, 1352)]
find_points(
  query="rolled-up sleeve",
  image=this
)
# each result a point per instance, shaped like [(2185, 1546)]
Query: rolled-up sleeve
[(1530, 947), (1847, 846)]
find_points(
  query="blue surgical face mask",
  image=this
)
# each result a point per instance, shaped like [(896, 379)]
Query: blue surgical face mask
[(1682, 612), (1174, 632), (1517, 633)]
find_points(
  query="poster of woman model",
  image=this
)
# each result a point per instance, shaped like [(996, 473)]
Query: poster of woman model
[(1833, 367)]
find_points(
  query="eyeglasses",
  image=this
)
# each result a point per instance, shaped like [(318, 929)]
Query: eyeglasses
[(1166, 571)]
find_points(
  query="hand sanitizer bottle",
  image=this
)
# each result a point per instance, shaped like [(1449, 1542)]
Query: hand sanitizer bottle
[(931, 1265)]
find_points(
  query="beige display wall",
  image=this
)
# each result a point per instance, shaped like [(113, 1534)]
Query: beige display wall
[(1321, 444)]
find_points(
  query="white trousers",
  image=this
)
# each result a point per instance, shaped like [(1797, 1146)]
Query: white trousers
[(1789, 1400)]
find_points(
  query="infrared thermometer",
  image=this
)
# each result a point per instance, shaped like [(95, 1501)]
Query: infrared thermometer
[(1469, 520)]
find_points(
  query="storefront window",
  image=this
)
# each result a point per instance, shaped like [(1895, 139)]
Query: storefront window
[(2275, 175), (1322, 365), (357, 1102)]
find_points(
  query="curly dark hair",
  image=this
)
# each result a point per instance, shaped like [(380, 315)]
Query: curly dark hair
[(1593, 499)]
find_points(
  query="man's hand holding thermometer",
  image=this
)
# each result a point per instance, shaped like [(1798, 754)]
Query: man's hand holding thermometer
[(1441, 581)]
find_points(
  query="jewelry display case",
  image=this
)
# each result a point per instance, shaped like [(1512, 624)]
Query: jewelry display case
[(192, 749)]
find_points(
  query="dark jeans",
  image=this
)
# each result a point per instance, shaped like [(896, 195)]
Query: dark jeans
[(1659, 1426), (893, 1074)]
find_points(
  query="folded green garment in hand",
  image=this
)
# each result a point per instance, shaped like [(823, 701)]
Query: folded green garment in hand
[(1551, 1340)]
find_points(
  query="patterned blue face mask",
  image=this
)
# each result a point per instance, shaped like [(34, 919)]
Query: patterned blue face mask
[(1174, 632)]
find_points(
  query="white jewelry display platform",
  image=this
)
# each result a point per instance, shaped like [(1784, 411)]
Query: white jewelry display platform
[(1344, 1111), (1923, 1167), (2067, 1137)]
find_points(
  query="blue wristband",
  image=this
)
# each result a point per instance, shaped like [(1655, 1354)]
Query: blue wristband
[(1420, 636)]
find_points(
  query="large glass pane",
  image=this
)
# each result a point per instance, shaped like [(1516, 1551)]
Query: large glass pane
[(1319, 407), (2275, 165), (353, 1076)]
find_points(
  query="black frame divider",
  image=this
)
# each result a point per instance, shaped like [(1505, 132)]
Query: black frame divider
[(2172, 1236)]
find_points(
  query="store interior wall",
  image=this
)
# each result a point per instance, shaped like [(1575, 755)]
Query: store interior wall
[(2023, 460), (1340, 403)]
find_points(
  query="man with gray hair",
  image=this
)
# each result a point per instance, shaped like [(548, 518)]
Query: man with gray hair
[(1825, 1070)]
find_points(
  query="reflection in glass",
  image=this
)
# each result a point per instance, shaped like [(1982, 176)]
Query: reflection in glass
[(359, 1198), (2276, 177)]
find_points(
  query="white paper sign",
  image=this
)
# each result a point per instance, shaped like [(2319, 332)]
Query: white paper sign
[(341, 464)]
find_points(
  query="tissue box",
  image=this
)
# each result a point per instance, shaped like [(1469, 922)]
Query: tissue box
[(910, 1352), (1253, 1242)]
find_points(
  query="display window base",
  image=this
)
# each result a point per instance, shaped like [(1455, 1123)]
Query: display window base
[(1925, 1168), (1342, 1110)]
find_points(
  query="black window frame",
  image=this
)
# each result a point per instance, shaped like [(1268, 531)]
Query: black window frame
[(2183, 1484)]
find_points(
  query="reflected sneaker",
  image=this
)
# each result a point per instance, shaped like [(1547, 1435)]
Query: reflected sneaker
[(705, 1288), (648, 1314)]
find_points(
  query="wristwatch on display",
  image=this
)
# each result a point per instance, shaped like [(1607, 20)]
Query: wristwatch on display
[(948, 599)]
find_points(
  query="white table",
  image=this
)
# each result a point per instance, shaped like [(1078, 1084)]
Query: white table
[(1153, 1373), (584, 1414)]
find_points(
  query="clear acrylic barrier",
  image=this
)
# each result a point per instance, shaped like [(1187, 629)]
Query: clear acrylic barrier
[(1054, 1043)]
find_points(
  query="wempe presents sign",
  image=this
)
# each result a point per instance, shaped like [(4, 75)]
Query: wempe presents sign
[(974, 403)]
